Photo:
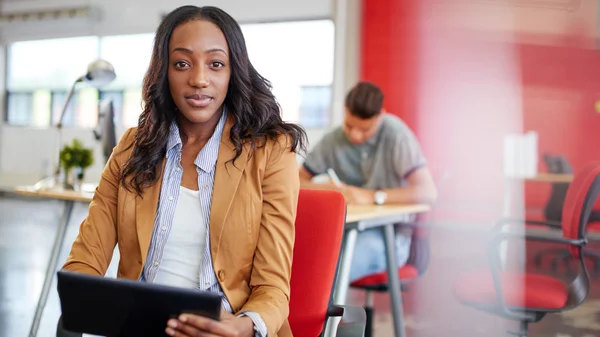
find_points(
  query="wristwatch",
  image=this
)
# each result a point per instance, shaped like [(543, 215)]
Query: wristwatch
[(379, 197)]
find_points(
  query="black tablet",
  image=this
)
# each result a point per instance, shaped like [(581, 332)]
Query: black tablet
[(123, 308)]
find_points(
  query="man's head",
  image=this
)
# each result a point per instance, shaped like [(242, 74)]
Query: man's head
[(363, 112)]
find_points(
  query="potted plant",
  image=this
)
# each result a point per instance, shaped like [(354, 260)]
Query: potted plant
[(75, 156)]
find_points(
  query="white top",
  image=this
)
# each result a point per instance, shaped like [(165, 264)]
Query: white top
[(182, 255)]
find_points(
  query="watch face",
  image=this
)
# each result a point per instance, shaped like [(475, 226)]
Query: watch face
[(379, 197)]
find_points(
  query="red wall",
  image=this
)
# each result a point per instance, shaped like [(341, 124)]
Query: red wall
[(559, 86), (388, 41)]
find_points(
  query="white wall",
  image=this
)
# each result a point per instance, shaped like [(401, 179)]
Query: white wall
[(26, 153), (142, 16)]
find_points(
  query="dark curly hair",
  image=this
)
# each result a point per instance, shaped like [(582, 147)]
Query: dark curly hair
[(256, 113)]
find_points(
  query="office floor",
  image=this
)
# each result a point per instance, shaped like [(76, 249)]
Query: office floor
[(27, 229)]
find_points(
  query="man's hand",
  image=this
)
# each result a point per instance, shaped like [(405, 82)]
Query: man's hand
[(357, 196), (188, 325)]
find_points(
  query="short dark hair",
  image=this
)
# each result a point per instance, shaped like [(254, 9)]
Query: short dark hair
[(364, 100)]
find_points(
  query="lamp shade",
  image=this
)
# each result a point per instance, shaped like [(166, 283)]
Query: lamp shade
[(99, 73)]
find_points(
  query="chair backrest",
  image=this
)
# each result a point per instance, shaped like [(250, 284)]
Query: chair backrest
[(320, 221), (581, 197), (555, 203)]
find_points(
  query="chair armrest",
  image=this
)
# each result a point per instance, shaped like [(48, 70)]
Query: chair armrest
[(354, 320), (551, 224), (508, 221), (535, 235), (500, 236)]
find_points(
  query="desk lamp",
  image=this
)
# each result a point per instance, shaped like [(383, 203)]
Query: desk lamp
[(99, 73)]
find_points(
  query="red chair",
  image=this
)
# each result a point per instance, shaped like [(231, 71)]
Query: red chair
[(415, 266), (553, 216), (528, 297), (320, 221)]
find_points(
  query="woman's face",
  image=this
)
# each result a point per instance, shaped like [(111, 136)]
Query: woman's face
[(199, 70)]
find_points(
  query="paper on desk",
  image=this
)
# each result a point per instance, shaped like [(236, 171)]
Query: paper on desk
[(521, 155)]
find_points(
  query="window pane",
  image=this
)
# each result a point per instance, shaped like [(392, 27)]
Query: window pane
[(130, 55), (49, 64), (132, 107), (29, 109), (315, 105), (303, 58), (117, 98), (82, 110), (41, 108), (20, 108)]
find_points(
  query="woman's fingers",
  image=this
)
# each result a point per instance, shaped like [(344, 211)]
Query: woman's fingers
[(198, 326)]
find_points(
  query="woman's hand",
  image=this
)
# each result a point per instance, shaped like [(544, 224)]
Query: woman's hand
[(188, 325)]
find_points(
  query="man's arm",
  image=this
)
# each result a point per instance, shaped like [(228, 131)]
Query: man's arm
[(420, 190), (306, 181), (410, 164)]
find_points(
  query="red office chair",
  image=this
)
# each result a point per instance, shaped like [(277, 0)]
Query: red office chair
[(320, 221), (553, 216), (378, 282), (528, 297)]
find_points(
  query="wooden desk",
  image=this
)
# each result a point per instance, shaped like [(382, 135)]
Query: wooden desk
[(358, 213), (358, 218), (551, 178), (58, 195)]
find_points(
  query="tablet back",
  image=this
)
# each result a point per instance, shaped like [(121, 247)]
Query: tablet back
[(116, 307)]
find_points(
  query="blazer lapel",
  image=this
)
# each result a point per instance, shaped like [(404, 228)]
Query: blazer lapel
[(227, 179), (145, 213)]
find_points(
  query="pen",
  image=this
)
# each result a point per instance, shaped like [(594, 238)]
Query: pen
[(334, 178)]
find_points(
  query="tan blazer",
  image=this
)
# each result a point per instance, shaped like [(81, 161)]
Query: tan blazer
[(251, 227)]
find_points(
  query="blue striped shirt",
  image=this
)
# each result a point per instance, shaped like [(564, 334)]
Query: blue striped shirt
[(205, 166)]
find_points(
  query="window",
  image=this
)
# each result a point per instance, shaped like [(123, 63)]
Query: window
[(296, 57), (20, 109), (49, 64), (130, 55), (315, 105), (36, 86), (293, 56)]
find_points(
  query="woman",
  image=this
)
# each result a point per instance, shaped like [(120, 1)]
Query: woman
[(203, 193)]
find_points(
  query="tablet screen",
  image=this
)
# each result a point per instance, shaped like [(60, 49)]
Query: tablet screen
[(116, 307)]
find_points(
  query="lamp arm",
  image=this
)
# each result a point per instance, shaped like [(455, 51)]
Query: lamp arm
[(67, 100), (59, 125)]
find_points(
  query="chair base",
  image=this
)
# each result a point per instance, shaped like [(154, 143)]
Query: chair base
[(523, 329), (370, 316)]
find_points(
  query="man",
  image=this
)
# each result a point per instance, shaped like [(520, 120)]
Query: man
[(379, 161)]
